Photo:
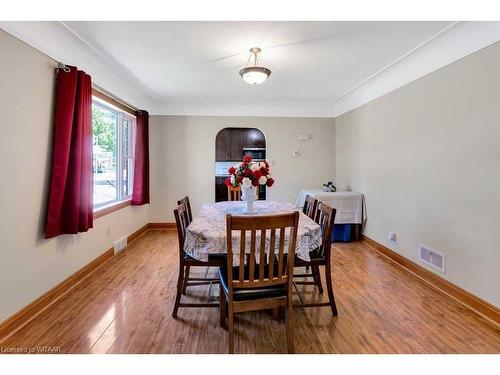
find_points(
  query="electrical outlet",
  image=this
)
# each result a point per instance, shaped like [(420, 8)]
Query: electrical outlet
[(120, 244), (392, 236)]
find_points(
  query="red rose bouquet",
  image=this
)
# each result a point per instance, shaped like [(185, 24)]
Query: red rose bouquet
[(250, 173)]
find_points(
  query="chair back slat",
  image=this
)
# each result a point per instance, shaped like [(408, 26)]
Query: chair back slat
[(310, 205), (182, 222), (252, 255), (281, 251), (262, 255), (242, 255), (272, 245), (186, 202), (325, 218), (263, 273), (234, 193)]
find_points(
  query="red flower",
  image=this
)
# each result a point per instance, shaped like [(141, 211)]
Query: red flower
[(231, 170), (247, 158), (270, 182), (239, 180), (255, 182), (228, 182), (264, 171), (248, 172), (257, 174)]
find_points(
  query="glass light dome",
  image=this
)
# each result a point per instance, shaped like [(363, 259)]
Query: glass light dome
[(255, 75)]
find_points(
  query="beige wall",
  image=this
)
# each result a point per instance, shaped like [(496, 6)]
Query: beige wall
[(427, 157), (183, 157), (29, 264)]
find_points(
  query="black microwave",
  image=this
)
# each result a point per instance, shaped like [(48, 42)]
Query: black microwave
[(257, 153)]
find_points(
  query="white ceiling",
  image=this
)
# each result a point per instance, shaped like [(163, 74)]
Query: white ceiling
[(312, 63), (320, 69)]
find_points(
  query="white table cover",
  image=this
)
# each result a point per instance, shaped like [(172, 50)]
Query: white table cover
[(207, 232), (349, 205)]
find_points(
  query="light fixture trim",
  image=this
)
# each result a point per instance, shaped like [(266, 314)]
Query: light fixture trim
[(250, 69)]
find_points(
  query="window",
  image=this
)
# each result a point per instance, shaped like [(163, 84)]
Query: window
[(113, 158)]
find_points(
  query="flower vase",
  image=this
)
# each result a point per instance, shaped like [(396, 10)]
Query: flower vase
[(248, 195)]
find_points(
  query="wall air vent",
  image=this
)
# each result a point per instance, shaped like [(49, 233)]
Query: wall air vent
[(120, 244), (433, 258)]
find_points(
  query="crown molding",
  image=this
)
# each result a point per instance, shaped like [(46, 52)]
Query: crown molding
[(451, 44), (57, 41), (243, 109), (448, 46), (112, 62)]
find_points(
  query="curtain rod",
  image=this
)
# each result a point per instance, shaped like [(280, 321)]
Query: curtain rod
[(65, 68), (119, 100), (60, 65)]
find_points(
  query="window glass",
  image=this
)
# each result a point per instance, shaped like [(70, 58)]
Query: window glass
[(128, 160), (105, 124), (113, 137)]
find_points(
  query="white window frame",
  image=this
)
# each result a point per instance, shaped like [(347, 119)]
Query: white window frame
[(121, 160)]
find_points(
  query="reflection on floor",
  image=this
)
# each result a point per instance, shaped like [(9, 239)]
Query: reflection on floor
[(126, 305)]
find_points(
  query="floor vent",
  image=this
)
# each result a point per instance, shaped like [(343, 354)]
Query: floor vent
[(433, 258)]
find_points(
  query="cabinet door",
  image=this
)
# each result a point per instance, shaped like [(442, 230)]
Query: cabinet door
[(222, 142), (254, 138), (236, 144), (220, 189)]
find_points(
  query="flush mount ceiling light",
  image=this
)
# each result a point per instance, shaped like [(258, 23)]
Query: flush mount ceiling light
[(255, 74)]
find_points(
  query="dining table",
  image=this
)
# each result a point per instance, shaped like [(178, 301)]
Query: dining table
[(206, 234)]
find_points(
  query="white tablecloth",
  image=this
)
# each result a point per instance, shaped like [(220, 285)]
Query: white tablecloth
[(349, 205), (207, 232)]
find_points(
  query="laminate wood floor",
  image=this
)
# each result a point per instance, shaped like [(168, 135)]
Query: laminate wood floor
[(126, 305)]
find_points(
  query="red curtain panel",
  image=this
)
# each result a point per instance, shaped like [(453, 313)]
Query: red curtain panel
[(70, 208), (140, 193)]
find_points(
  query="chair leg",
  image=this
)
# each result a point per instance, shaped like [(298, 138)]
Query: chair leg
[(222, 307), (186, 279), (180, 282), (329, 287), (317, 278), (231, 327), (289, 327)]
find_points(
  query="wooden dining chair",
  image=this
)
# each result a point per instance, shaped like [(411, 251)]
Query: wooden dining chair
[(266, 284), (234, 193), (186, 262), (186, 202), (309, 209), (320, 257), (310, 205)]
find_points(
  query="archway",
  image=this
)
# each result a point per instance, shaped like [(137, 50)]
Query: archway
[(231, 144)]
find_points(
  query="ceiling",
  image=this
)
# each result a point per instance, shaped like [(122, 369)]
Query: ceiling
[(198, 62)]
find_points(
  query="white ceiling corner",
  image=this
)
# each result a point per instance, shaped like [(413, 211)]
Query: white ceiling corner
[(458, 40), (55, 40), (112, 62)]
